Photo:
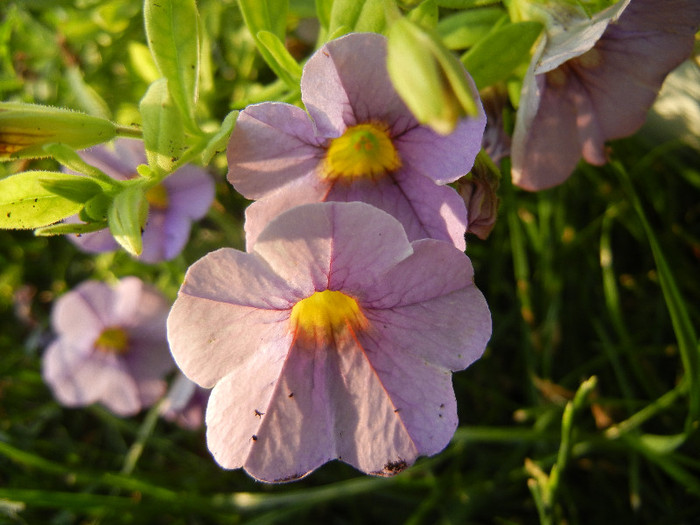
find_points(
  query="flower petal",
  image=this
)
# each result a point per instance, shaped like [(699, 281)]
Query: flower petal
[(428, 306), (422, 207), (190, 192), (346, 82), (443, 158), (332, 245), (215, 329), (271, 145)]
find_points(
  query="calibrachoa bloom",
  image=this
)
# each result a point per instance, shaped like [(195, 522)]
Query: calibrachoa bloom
[(184, 196), (334, 338), (576, 97), (111, 346), (359, 142)]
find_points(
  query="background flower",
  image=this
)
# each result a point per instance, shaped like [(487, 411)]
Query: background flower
[(184, 196), (361, 143), (334, 339), (110, 346), (573, 101)]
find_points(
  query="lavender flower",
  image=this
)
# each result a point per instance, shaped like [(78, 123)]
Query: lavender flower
[(184, 196), (580, 92), (334, 338), (110, 347), (361, 143)]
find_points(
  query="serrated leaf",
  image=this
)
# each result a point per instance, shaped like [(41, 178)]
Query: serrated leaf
[(172, 30), (494, 58), (25, 203)]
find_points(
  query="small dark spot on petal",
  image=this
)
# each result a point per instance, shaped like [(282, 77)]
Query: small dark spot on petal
[(442, 405), (291, 394), (254, 438), (258, 413), (397, 410), (325, 53)]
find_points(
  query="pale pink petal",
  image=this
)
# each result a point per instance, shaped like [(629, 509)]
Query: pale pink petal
[(326, 245), (443, 158), (271, 145), (259, 214), (205, 324), (423, 208), (89, 306), (190, 192), (415, 303), (346, 82)]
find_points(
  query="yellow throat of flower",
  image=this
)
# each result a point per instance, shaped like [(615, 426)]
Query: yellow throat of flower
[(113, 340), (363, 151), (325, 316), (157, 197)]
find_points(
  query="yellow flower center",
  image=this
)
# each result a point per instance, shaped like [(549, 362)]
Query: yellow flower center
[(113, 340), (157, 197), (363, 151), (325, 316)]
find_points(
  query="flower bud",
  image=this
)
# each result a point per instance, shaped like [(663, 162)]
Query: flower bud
[(26, 128), (478, 189), (429, 79)]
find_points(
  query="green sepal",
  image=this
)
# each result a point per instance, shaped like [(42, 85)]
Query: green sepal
[(126, 218), (172, 30), (76, 188), (96, 209), (71, 160), (67, 228), (494, 58), (163, 133), (26, 203), (26, 128)]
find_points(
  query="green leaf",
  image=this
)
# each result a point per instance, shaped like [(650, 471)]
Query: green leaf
[(163, 133), (126, 218), (77, 188), (465, 4), (66, 228), (172, 30), (464, 29), (357, 15), (323, 12), (425, 14), (494, 58), (71, 160), (26, 203), (283, 58)]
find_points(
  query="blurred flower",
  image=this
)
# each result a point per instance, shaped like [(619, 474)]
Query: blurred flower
[(185, 403), (110, 347), (496, 139), (334, 338), (578, 93), (361, 144), (478, 189), (181, 198)]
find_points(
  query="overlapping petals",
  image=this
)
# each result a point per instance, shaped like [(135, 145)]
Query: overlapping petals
[(578, 94), (374, 391), (81, 366), (277, 153)]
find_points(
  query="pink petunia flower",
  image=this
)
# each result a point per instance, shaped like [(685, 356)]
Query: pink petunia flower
[(359, 142), (111, 346), (183, 197), (334, 338), (583, 88)]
